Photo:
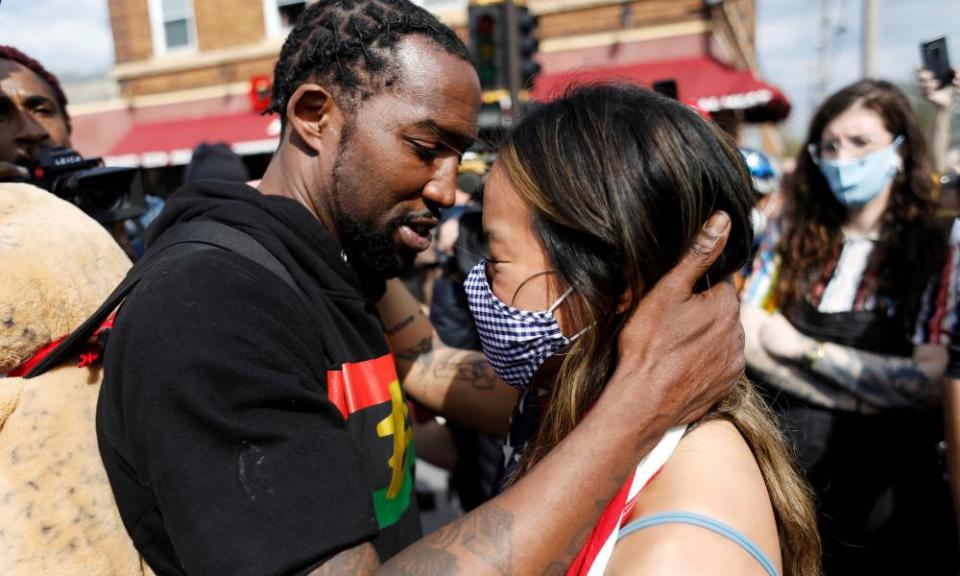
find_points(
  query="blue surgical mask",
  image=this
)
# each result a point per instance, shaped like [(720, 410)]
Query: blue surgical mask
[(516, 342), (858, 181)]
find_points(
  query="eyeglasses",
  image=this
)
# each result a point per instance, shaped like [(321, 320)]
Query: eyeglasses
[(857, 146)]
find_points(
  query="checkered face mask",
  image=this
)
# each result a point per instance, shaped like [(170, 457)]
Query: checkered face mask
[(516, 342)]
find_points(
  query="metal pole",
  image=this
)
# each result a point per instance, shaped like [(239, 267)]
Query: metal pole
[(823, 49), (513, 57), (871, 29)]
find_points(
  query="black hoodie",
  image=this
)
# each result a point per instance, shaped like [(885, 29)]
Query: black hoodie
[(245, 431)]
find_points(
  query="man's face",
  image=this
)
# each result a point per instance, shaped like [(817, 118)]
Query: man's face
[(30, 117), (398, 159)]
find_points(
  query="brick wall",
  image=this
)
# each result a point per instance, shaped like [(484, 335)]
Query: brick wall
[(558, 23), (198, 77), (228, 23), (672, 48), (130, 21)]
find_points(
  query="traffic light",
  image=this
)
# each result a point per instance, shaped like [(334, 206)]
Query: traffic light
[(529, 44), (488, 44)]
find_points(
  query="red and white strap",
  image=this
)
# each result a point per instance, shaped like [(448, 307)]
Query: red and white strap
[(595, 554)]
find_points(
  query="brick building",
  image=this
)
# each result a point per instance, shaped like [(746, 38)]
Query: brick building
[(189, 70)]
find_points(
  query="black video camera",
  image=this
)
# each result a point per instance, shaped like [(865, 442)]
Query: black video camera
[(107, 195)]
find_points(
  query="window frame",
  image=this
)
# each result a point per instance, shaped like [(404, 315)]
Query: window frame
[(158, 29), (273, 28), (435, 6)]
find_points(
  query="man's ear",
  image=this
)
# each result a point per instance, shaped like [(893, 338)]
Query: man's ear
[(314, 115)]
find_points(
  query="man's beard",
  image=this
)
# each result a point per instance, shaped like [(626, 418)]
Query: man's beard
[(370, 249)]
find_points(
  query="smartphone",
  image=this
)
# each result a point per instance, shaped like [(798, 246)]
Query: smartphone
[(666, 87), (935, 59)]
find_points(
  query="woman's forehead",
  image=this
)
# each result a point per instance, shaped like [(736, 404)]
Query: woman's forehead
[(507, 219), (504, 212), (855, 120)]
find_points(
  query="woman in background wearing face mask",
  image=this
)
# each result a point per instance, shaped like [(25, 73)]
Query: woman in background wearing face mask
[(594, 197), (842, 317)]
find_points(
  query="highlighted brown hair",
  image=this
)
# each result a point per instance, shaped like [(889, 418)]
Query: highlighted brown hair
[(620, 181)]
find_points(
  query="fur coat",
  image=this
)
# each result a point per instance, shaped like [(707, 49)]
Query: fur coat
[(57, 514)]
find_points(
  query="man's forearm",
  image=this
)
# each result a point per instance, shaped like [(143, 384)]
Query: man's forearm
[(360, 560), (940, 138), (460, 384), (407, 328), (539, 524), (885, 381)]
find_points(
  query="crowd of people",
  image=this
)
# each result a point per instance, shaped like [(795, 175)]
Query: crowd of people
[(652, 353)]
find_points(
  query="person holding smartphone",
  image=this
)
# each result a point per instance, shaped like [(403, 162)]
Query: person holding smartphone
[(941, 97), (843, 315)]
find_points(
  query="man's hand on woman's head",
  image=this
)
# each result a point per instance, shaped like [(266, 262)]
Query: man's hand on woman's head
[(683, 351)]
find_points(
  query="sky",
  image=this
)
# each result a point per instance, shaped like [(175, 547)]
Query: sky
[(72, 38), (788, 32)]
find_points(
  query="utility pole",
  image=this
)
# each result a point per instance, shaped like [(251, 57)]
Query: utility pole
[(871, 28), (823, 52)]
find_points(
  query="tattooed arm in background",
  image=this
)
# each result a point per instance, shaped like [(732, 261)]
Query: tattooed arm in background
[(882, 380), (460, 384), (885, 380)]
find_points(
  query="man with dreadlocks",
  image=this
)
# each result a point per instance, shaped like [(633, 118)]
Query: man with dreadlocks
[(251, 419)]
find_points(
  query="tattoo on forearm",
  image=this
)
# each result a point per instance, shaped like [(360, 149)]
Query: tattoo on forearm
[(562, 562), (451, 364), (424, 561), (883, 380), (417, 352), (359, 560), (485, 533), (488, 535), (780, 377), (485, 538), (480, 374), (471, 368)]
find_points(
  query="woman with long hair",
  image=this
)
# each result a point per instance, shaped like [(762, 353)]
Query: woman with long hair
[(843, 318), (594, 197)]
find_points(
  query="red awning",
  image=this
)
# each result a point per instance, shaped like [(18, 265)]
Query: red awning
[(704, 81), (172, 142)]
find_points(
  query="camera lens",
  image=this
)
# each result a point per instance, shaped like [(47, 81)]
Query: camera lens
[(105, 199)]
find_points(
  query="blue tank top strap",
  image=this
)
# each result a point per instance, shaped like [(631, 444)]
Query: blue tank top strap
[(703, 522)]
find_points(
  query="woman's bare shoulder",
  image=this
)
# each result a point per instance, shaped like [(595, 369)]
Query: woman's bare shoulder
[(712, 473)]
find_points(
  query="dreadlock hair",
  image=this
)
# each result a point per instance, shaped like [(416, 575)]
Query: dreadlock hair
[(11, 53), (348, 45)]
